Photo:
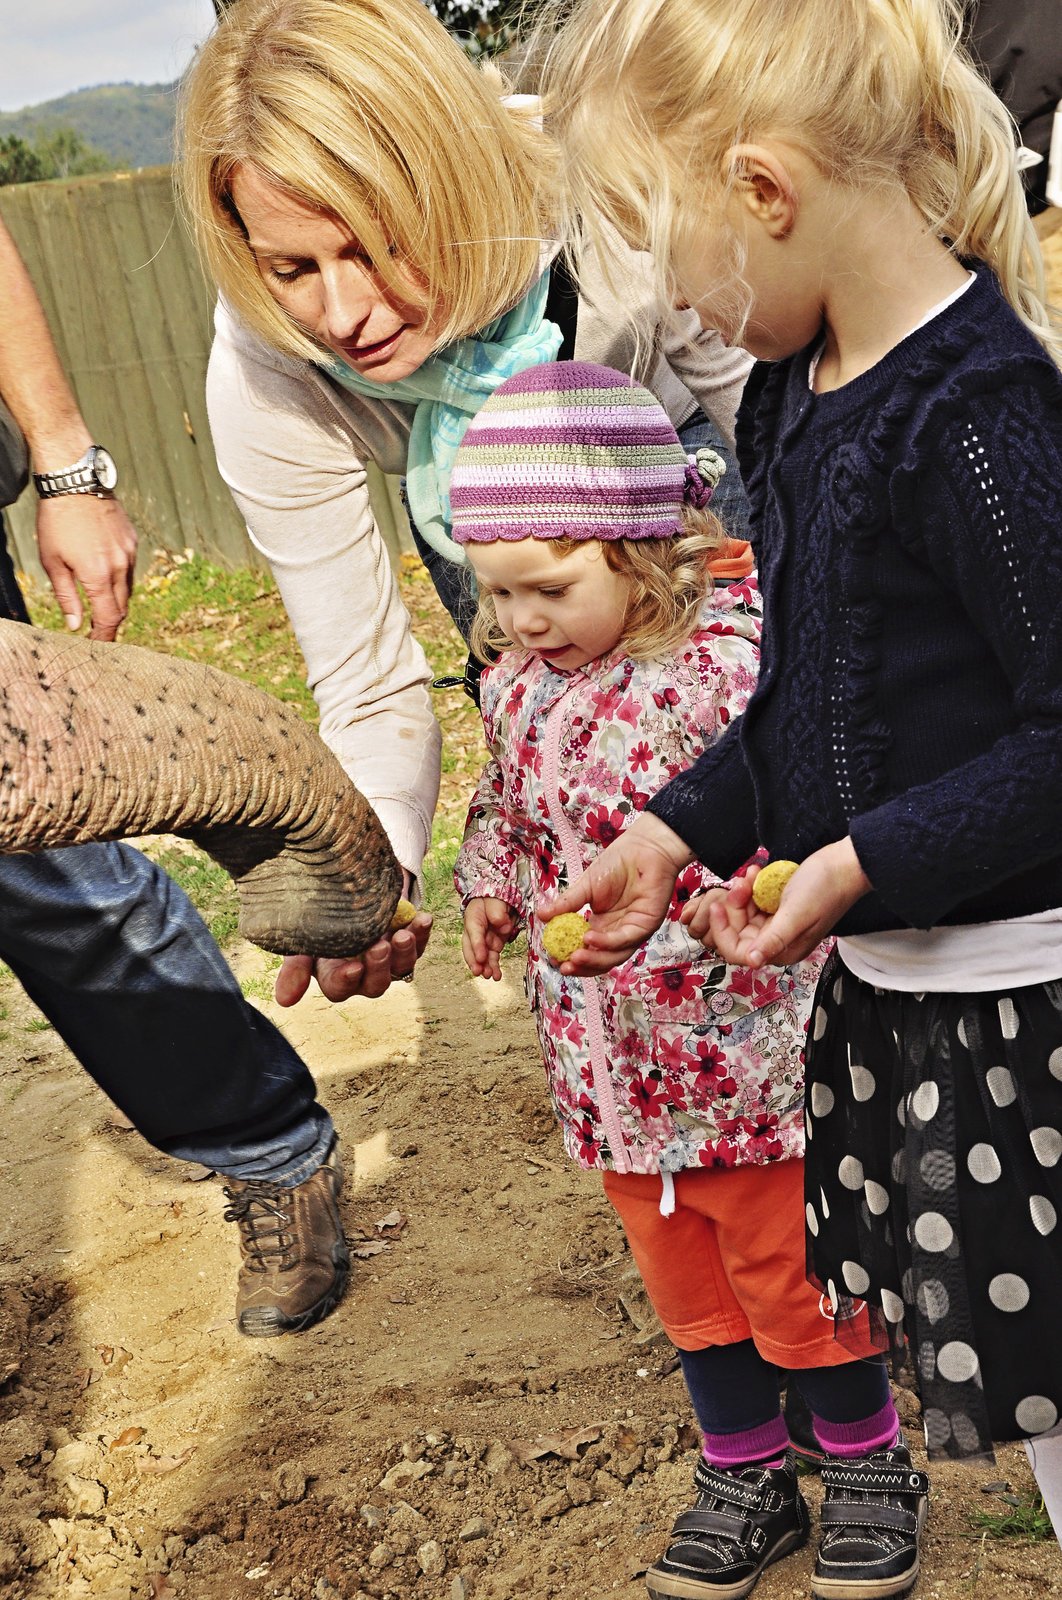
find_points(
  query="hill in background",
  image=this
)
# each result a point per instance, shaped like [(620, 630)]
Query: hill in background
[(132, 123)]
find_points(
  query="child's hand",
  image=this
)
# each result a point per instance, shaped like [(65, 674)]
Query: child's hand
[(489, 925), (818, 894), (628, 888), (696, 914)]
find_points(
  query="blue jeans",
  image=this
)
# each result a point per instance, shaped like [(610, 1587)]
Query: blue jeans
[(122, 965)]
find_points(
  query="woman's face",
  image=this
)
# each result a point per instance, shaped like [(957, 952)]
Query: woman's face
[(318, 273)]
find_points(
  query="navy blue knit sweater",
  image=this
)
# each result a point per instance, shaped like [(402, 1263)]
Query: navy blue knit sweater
[(908, 532)]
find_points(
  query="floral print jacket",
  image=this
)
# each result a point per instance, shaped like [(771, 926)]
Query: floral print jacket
[(673, 1059)]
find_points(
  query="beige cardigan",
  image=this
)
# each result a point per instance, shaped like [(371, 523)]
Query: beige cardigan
[(292, 447)]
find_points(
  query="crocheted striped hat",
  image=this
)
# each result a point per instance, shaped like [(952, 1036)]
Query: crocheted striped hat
[(569, 450)]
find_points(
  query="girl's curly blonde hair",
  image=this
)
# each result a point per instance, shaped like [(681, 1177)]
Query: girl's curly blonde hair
[(668, 581)]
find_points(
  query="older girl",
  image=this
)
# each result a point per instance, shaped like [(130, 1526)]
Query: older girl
[(855, 214)]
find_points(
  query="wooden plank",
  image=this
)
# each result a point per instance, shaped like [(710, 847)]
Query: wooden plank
[(132, 318)]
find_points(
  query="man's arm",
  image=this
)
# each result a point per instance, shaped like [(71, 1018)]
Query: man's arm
[(83, 538)]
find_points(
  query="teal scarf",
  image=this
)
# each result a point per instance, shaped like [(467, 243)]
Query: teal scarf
[(448, 390)]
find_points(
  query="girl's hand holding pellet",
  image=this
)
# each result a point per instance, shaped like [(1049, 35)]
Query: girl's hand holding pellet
[(816, 896)]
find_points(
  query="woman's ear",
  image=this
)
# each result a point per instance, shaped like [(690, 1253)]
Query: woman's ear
[(763, 185)]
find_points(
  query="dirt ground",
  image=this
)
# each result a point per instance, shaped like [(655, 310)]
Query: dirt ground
[(479, 1419)]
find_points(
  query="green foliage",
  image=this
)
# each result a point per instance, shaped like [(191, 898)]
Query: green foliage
[(208, 886), (1025, 1517), (55, 153), (187, 606), (129, 124)]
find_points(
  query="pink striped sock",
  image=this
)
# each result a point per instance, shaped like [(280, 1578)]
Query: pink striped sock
[(764, 1446), (876, 1432)]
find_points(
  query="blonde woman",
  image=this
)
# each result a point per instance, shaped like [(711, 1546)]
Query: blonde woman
[(376, 218)]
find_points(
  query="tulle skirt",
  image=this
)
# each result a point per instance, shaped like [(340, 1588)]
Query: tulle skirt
[(934, 1191)]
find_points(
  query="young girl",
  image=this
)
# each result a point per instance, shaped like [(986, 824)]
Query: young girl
[(855, 216), (679, 1077)]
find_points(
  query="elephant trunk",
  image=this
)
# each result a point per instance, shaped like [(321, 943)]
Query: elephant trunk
[(103, 741)]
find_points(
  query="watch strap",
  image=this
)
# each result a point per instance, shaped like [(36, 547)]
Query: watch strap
[(81, 478)]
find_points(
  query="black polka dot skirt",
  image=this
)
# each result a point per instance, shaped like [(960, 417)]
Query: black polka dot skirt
[(934, 1192)]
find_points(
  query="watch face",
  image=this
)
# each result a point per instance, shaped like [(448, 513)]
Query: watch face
[(104, 468)]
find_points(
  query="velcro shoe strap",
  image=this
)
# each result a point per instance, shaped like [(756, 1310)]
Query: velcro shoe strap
[(875, 1480), (864, 1514), (724, 1487), (721, 1522)]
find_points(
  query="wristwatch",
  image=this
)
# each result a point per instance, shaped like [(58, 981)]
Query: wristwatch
[(95, 473)]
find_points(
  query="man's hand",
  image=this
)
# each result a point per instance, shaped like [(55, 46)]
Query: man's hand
[(369, 974), (489, 925), (88, 540), (628, 888), (814, 900)]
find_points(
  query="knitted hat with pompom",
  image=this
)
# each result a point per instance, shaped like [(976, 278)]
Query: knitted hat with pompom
[(569, 450)]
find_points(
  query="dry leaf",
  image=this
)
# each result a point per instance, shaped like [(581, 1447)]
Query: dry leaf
[(83, 1376), (368, 1247), (105, 1353), (164, 1463), (566, 1445), (393, 1220), (127, 1436)]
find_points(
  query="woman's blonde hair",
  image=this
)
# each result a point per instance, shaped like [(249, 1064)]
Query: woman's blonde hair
[(667, 581), (369, 111), (648, 97)]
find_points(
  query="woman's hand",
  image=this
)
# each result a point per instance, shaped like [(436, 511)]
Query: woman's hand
[(628, 888), (814, 900), (369, 974), (489, 925)]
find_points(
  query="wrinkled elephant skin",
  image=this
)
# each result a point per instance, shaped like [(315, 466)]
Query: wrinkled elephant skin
[(104, 741)]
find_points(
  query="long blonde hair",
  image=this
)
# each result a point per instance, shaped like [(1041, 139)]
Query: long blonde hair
[(648, 96), (667, 581), (369, 111)]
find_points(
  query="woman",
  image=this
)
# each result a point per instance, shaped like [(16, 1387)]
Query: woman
[(374, 214)]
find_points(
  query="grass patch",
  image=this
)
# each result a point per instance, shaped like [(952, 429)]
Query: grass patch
[(1024, 1517), (186, 606), (208, 886)]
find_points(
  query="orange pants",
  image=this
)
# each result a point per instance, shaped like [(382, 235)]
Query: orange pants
[(728, 1264)]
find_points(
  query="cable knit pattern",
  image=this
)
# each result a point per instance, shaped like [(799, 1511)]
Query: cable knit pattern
[(907, 529), (674, 1059)]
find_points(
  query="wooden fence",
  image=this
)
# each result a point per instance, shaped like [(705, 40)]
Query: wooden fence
[(132, 318)]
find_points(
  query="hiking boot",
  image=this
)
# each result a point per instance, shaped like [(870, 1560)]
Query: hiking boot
[(744, 1519), (295, 1258), (872, 1516)]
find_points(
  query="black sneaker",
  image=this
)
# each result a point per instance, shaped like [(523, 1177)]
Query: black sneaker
[(872, 1515), (744, 1519)]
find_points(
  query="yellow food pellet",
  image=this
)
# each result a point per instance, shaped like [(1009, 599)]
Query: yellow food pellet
[(770, 881), (405, 911), (563, 935)]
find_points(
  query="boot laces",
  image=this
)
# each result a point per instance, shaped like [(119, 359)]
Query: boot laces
[(264, 1214)]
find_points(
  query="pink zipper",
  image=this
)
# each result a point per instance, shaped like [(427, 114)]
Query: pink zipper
[(573, 861)]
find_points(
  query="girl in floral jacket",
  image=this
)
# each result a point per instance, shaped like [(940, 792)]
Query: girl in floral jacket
[(678, 1076)]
